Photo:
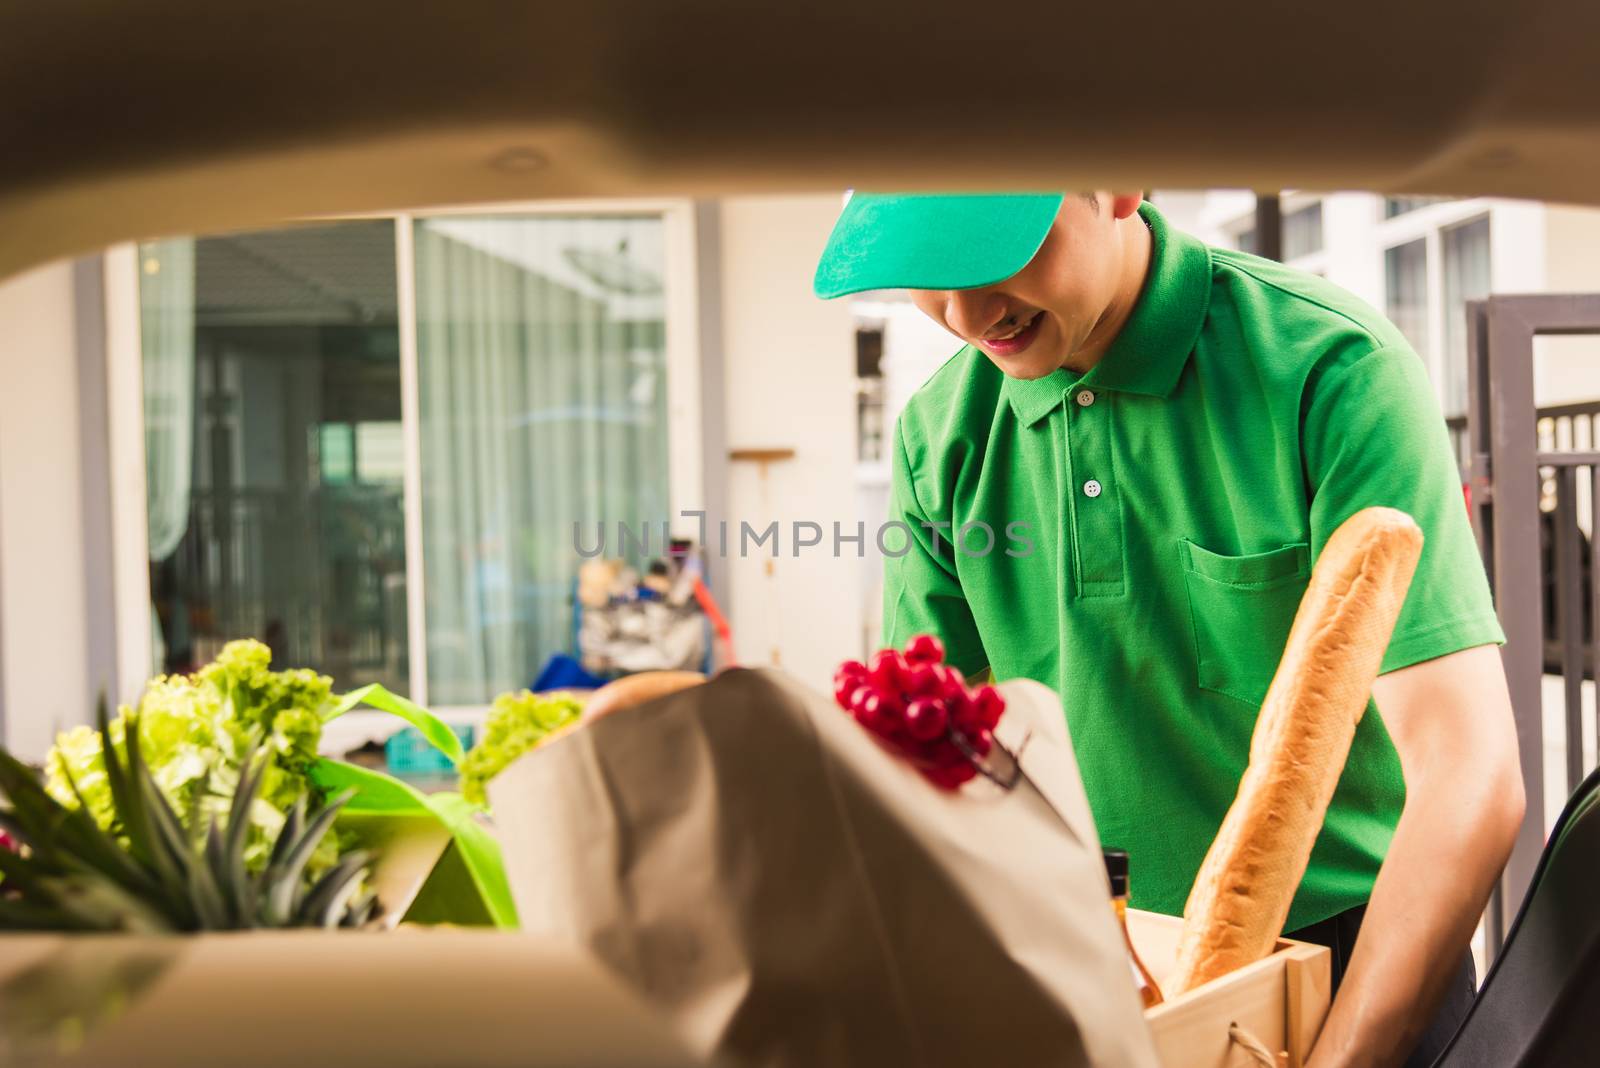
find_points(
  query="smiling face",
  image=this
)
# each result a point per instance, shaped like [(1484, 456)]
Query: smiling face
[(1066, 305)]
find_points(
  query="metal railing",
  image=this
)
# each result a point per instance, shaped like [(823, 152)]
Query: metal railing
[(1569, 602), (1559, 427), (1568, 436), (317, 572), (1533, 482)]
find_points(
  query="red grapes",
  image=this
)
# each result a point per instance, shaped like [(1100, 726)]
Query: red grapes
[(926, 719), (917, 704)]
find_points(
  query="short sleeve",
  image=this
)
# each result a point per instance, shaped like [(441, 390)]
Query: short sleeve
[(1373, 435), (921, 591)]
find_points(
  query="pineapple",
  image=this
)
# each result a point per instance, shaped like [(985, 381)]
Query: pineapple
[(70, 875)]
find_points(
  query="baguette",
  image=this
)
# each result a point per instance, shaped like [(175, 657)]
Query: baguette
[(633, 690), (1302, 737)]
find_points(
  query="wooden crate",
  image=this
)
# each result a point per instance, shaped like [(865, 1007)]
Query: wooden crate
[(1281, 1000)]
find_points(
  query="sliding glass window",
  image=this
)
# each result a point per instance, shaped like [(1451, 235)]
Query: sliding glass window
[(272, 420), (280, 440), (1405, 270), (541, 366)]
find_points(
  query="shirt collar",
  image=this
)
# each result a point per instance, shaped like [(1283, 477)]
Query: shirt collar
[(1149, 354)]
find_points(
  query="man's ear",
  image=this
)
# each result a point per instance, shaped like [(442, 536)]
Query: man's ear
[(1125, 204)]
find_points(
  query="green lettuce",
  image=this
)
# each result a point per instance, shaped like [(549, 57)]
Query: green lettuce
[(516, 723), (194, 732)]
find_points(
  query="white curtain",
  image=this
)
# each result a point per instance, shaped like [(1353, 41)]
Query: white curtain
[(166, 334), (541, 371)]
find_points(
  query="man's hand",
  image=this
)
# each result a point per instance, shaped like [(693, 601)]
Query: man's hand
[(1451, 723)]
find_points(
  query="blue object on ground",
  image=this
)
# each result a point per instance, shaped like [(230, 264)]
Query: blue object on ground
[(407, 752), (563, 672)]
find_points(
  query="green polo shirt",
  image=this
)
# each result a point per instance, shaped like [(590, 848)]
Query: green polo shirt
[(1154, 522)]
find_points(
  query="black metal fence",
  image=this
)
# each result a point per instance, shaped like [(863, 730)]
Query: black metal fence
[(1533, 483), (1568, 445)]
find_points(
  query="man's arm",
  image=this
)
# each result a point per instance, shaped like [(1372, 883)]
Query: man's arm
[(1450, 719), (921, 592)]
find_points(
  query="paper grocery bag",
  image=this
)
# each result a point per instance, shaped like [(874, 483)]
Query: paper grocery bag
[(789, 892)]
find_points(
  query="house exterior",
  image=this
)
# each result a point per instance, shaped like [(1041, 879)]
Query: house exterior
[(1418, 259), (330, 402)]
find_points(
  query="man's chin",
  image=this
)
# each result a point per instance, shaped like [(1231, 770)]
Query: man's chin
[(1023, 367)]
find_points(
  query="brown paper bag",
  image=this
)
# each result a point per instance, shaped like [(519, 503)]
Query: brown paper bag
[(791, 893)]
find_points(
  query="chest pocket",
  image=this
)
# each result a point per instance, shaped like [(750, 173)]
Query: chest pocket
[(1241, 608)]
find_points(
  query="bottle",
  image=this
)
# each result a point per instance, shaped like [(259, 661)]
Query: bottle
[(1117, 870)]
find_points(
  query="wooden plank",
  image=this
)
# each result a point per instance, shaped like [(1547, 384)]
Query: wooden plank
[(1281, 1000), (1308, 990), (1155, 937), (1191, 1031), (760, 456), (1566, 459)]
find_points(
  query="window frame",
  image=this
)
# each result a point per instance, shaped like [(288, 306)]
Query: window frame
[(1432, 300), (687, 470), (1428, 224)]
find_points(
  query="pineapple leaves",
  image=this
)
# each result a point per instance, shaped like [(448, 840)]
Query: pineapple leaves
[(71, 875), (61, 839), (225, 852), (29, 914), (15, 870), (198, 810), (123, 800), (289, 856), (324, 904)]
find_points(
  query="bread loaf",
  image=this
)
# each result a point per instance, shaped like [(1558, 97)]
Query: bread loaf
[(1302, 737), (633, 690)]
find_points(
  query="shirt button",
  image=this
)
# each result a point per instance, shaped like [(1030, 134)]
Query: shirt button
[(1091, 488), (1085, 398)]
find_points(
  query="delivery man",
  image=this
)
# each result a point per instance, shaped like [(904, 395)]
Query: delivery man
[(1167, 434)]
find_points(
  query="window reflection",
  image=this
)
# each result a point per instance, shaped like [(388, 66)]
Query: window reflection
[(541, 366), (272, 410)]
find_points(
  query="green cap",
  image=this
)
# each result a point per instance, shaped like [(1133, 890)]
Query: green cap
[(921, 241)]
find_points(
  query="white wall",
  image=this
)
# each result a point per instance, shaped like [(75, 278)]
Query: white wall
[(1572, 249), (1209, 214), (789, 383), (1567, 369), (42, 599), (914, 347)]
